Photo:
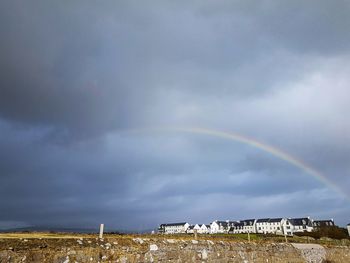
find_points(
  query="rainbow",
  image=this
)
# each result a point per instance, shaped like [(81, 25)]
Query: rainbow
[(254, 143)]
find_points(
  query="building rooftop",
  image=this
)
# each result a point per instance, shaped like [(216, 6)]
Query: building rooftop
[(174, 224)]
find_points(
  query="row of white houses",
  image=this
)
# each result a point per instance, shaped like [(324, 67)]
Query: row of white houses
[(278, 226)]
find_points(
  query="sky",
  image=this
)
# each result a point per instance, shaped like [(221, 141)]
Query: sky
[(91, 95)]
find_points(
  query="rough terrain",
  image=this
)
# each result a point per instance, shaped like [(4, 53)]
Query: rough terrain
[(163, 249)]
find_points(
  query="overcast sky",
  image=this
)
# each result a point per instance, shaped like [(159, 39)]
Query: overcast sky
[(77, 78)]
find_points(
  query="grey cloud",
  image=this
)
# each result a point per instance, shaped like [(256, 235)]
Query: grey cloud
[(76, 78), (88, 69)]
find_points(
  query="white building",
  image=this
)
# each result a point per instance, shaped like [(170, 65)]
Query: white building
[(220, 226), (197, 227), (295, 225), (243, 226), (261, 225), (348, 226), (275, 226), (190, 229), (204, 229), (173, 228)]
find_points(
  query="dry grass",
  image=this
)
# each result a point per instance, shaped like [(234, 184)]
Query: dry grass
[(30, 235), (129, 237)]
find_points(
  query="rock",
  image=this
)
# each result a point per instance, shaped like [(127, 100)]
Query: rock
[(194, 242), (171, 241), (204, 254), (138, 240), (210, 242), (123, 260), (149, 257), (311, 252), (153, 247), (326, 239)]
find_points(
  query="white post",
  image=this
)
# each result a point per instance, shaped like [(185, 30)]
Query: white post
[(248, 236), (101, 230)]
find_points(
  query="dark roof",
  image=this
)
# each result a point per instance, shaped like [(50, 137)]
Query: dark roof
[(174, 224), (275, 219), (323, 222), (269, 220), (263, 220), (300, 221), (247, 222), (222, 223), (191, 227)]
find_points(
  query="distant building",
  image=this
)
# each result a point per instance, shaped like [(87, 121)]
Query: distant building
[(271, 226), (303, 224), (220, 226), (243, 226), (201, 229), (173, 228), (237, 228), (196, 227), (190, 229), (348, 227), (261, 225), (204, 229), (322, 223), (277, 226)]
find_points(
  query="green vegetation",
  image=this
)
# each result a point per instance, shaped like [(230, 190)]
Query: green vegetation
[(333, 232)]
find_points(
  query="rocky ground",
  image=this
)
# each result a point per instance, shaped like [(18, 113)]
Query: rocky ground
[(162, 249)]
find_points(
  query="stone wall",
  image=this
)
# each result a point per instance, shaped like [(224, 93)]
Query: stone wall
[(158, 249)]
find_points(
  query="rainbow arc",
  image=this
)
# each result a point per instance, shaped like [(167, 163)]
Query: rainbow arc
[(254, 143)]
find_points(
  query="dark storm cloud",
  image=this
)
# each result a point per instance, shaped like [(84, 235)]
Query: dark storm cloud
[(93, 68), (76, 76)]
